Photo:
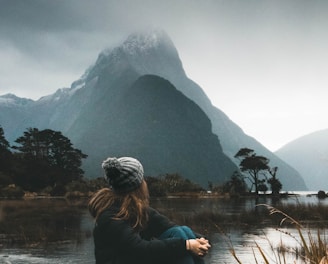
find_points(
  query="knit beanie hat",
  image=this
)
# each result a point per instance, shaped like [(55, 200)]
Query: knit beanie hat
[(124, 174)]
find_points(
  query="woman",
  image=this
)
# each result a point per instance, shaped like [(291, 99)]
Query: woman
[(128, 230)]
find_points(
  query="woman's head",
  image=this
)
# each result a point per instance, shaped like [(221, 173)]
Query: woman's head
[(123, 174)]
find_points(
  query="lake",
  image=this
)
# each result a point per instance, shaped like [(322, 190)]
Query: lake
[(24, 223)]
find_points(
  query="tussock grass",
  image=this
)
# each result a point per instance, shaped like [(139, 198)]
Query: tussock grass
[(309, 215), (310, 246)]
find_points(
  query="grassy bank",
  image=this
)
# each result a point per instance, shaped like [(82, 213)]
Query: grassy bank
[(40, 221)]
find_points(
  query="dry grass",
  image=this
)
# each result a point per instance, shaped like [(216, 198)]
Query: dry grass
[(310, 248)]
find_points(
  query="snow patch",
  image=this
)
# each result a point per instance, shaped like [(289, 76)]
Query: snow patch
[(141, 42)]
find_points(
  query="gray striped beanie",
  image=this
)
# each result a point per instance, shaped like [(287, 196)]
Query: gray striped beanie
[(124, 174)]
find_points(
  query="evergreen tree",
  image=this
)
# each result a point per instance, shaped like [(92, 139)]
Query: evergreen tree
[(236, 185), (49, 158), (254, 165), (5, 159), (257, 168), (275, 184), (4, 144)]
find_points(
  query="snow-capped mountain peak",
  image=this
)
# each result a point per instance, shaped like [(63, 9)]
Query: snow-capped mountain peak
[(144, 41), (147, 52)]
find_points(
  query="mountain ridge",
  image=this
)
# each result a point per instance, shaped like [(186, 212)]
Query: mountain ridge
[(160, 58), (309, 155)]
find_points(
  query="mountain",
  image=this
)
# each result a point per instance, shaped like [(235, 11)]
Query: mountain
[(145, 117), (77, 110), (309, 155), (154, 122), (14, 114)]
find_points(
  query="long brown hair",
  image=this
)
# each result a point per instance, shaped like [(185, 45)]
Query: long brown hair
[(133, 205)]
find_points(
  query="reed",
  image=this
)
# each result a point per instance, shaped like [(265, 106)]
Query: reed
[(310, 248)]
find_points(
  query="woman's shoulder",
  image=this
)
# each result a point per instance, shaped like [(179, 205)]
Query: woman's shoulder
[(108, 214), (151, 210), (156, 214)]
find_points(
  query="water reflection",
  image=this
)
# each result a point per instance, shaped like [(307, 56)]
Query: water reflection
[(65, 229), (269, 240)]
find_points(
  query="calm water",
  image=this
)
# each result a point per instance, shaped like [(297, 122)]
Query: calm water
[(74, 227)]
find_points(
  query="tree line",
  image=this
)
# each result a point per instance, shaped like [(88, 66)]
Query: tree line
[(46, 161), (39, 159)]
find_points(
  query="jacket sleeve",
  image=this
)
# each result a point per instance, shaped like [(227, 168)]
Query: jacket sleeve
[(157, 224), (119, 237)]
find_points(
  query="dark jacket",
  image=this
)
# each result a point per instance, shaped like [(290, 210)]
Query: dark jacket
[(116, 242)]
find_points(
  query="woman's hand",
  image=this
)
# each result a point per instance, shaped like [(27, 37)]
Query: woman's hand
[(199, 246)]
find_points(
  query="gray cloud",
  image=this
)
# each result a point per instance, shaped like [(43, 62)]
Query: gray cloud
[(258, 49)]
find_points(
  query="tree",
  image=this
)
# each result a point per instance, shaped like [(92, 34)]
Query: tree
[(256, 166), (262, 187), (236, 185), (5, 159), (155, 186), (4, 144), (170, 183), (174, 183), (275, 184), (49, 158)]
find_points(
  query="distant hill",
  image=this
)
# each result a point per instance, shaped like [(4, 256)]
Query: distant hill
[(309, 155), (89, 106)]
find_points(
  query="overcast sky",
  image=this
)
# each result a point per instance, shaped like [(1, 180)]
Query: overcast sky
[(263, 62)]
